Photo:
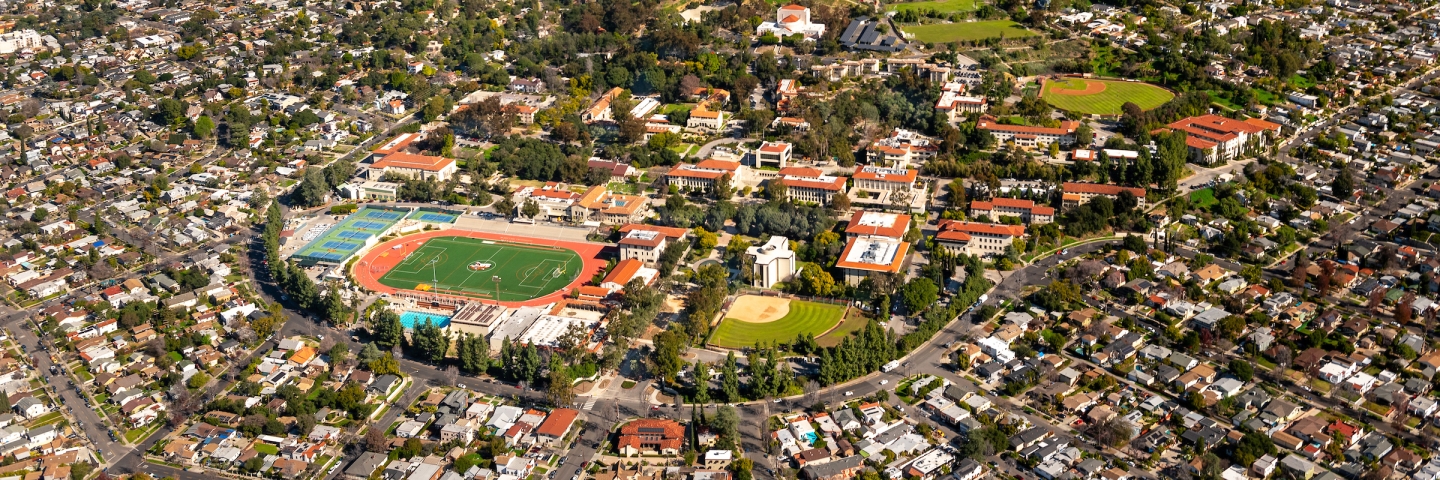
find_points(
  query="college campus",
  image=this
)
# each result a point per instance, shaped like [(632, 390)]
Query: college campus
[(720, 240)]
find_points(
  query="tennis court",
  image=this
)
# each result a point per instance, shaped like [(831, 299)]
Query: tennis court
[(429, 216), (482, 268), (350, 235)]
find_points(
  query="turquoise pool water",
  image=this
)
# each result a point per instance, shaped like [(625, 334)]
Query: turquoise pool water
[(410, 319)]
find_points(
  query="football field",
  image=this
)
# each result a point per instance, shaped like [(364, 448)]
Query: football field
[(471, 267)]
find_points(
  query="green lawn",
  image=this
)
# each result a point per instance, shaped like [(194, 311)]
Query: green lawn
[(1107, 102), (625, 188), (46, 419), (525, 271), (1301, 82), (1265, 97), (1203, 198), (853, 322), (941, 6), (804, 317), (967, 31), (267, 449)]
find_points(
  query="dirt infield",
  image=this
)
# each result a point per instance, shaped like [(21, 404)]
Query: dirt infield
[(1091, 88), (758, 309), (378, 260)]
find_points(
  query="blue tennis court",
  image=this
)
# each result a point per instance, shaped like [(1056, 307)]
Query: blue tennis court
[(350, 235), (339, 245)]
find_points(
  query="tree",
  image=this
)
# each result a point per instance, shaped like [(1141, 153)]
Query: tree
[(559, 392), (1300, 273), (168, 111), (385, 365), (473, 352), (815, 281), (530, 209), (840, 203), (429, 342), (775, 191), (204, 127), (505, 206), (1252, 446), (919, 294), (1343, 186), (702, 383), (722, 189), (1242, 369), (665, 356), (1114, 432), (387, 329)]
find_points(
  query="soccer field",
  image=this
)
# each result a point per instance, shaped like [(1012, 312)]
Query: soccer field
[(941, 6), (1102, 97), (952, 32), (468, 266), (803, 317)]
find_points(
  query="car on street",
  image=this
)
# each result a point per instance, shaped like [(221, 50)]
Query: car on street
[(884, 382), (849, 393)]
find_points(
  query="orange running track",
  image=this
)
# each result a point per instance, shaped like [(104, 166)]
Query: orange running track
[(385, 256)]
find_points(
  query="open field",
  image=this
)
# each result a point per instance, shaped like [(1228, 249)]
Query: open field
[(469, 266), (941, 6), (1102, 97), (855, 320), (800, 317), (967, 31)]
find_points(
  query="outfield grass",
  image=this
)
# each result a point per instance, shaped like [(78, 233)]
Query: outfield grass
[(804, 317), (1107, 102), (967, 31), (443, 264), (853, 322), (941, 6), (1203, 199)]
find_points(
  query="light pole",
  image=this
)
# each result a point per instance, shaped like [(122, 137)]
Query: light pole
[(496, 279)]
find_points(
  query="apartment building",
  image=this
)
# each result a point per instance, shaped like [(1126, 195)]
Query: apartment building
[(1074, 194), (1026, 210), (1029, 136), (971, 238)]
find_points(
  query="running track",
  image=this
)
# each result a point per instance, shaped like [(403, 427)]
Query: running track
[(589, 253)]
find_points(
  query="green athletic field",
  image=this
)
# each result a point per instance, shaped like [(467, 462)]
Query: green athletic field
[(1108, 102), (804, 317), (941, 6), (526, 271), (967, 31)]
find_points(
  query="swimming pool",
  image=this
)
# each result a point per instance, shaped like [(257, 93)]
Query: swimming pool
[(410, 319)]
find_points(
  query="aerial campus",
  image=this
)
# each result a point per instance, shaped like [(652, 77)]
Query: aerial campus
[(719, 240)]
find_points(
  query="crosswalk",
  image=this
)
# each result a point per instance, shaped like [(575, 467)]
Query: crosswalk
[(589, 404)]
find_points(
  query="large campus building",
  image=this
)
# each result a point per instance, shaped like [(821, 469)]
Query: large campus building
[(773, 262), (1029, 136), (702, 175), (810, 185), (646, 242), (971, 238), (1215, 139), (874, 243), (410, 165)]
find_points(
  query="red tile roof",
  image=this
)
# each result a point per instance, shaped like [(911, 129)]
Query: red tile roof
[(557, 423), (1100, 189), (976, 228)]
